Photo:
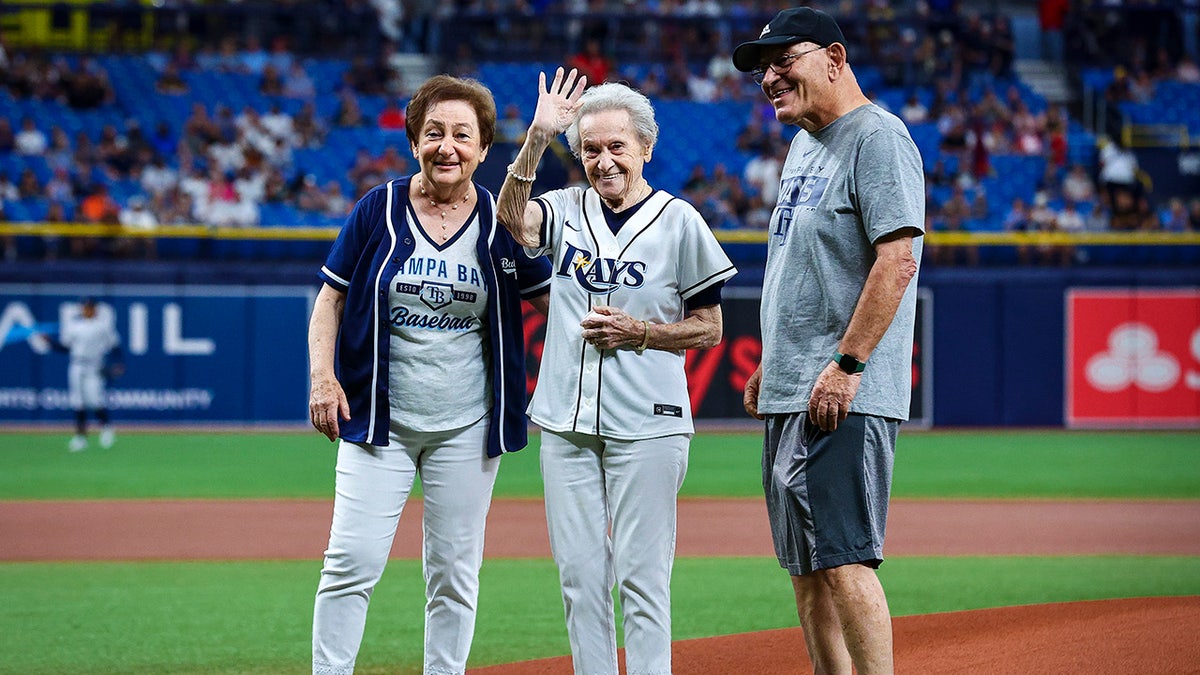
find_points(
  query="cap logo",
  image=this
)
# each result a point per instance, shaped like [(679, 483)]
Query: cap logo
[(765, 30)]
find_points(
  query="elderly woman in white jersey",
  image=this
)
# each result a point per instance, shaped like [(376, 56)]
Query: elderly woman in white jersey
[(417, 365), (637, 281)]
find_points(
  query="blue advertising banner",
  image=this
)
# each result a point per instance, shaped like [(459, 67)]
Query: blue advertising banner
[(222, 354)]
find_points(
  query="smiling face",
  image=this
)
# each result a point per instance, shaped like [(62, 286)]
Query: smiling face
[(802, 89), (613, 156), (448, 147)]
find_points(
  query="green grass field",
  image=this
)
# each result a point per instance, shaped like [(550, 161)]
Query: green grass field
[(1038, 464), (254, 617)]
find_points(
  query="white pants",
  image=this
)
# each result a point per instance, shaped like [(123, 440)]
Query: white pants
[(593, 483), (85, 387), (373, 485)]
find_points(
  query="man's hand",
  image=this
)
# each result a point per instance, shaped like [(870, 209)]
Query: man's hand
[(750, 394), (831, 397)]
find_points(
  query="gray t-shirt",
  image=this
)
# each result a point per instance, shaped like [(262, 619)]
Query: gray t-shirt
[(842, 189)]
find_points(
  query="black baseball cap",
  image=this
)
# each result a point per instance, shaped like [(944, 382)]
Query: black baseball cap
[(798, 24)]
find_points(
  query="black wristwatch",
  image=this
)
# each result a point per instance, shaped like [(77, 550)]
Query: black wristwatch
[(849, 364)]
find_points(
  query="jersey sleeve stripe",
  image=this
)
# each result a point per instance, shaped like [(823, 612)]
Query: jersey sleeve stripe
[(337, 280), (708, 281), (532, 291)]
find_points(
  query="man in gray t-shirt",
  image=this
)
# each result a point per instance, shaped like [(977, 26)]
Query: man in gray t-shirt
[(838, 306)]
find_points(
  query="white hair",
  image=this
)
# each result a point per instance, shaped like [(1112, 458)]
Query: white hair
[(616, 96)]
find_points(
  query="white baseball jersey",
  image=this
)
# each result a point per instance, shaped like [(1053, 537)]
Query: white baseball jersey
[(89, 340), (662, 256)]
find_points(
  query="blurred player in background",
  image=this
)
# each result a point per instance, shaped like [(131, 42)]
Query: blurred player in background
[(90, 336)]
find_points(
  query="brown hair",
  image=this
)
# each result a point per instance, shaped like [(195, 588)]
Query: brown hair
[(448, 88)]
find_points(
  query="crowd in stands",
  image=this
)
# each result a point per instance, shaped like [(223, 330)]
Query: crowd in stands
[(223, 164)]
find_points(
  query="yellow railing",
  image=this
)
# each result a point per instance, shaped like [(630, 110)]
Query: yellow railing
[(1155, 136), (726, 236)]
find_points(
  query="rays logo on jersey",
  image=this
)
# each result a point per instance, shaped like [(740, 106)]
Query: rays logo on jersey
[(600, 275), (435, 295), (797, 192)]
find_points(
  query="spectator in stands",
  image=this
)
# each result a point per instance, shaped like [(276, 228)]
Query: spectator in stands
[(1017, 219), (113, 149), (957, 207), (298, 84), (281, 54), (279, 124), (1069, 221), (28, 185), (309, 127), (1077, 185), (310, 196), (1176, 217), (171, 82), (366, 76), (8, 189), (591, 62), (348, 113), (158, 177), (952, 126), (1003, 46), (30, 141), (200, 129), (1187, 71), (1142, 87), (754, 137), (98, 206), (87, 85), (511, 127), (275, 188), (391, 118), (913, 111), (135, 216), (336, 203), (1118, 89), (1118, 173), (254, 58), (8, 138), (1056, 137), (762, 173), (60, 188), (271, 83), (163, 141), (1194, 214)]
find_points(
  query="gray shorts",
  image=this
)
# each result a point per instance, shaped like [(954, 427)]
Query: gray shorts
[(827, 493)]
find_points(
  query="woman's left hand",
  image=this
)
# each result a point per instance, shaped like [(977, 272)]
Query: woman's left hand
[(608, 327)]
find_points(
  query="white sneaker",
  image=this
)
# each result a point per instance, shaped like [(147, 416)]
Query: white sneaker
[(107, 437), (78, 443)]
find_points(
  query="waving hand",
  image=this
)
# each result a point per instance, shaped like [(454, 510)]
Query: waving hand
[(557, 103)]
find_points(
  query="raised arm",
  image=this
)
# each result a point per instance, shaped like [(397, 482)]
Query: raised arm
[(555, 111)]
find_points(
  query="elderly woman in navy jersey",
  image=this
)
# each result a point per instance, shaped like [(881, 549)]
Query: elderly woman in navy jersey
[(417, 366)]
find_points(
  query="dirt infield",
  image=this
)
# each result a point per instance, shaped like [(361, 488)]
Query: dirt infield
[(298, 529), (1140, 635)]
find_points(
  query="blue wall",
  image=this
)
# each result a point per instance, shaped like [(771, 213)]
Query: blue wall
[(997, 347)]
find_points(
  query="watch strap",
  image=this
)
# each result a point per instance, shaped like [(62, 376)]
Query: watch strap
[(848, 363)]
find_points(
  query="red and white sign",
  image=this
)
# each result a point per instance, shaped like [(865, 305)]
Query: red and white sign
[(1133, 358)]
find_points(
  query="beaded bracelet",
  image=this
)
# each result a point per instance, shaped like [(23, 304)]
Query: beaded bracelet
[(519, 177)]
